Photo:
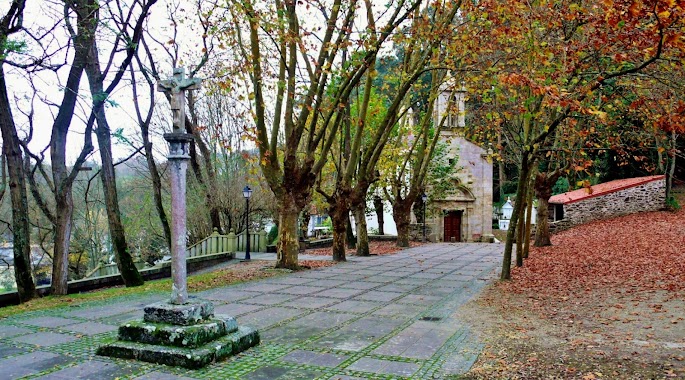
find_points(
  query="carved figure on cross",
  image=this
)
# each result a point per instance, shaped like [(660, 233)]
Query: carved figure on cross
[(176, 87)]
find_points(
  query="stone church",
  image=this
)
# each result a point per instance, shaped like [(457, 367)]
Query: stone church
[(465, 213)]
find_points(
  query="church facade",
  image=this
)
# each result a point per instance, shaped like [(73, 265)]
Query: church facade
[(463, 213)]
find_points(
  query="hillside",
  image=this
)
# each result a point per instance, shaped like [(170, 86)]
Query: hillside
[(605, 301)]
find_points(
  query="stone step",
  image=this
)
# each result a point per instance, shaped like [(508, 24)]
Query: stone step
[(179, 336), (231, 344), (182, 315)]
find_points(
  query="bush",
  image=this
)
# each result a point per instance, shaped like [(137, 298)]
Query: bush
[(272, 235)]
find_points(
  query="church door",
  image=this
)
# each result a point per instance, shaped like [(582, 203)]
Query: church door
[(453, 226)]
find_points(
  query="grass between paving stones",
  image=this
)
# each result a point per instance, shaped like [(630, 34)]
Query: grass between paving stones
[(242, 272)]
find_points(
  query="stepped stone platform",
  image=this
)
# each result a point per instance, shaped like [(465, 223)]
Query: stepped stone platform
[(188, 335)]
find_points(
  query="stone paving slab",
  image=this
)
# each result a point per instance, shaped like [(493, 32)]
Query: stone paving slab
[(30, 363), (236, 309), (352, 306), (385, 367), (156, 375), (48, 321), (228, 296), (302, 290), (340, 293), (7, 351), (314, 358), (362, 285), (45, 338), (267, 317), (397, 310), (281, 373), (358, 334), (90, 328), (379, 296), (99, 312), (10, 331), (92, 370), (356, 320), (269, 299), (314, 302)]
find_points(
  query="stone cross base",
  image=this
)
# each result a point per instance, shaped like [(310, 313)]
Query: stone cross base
[(189, 336)]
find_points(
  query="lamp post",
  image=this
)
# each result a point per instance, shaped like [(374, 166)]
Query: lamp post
[(424, 198), (247, 193)]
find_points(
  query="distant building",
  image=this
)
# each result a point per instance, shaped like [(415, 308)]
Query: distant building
[(465, 212), (607, 200)]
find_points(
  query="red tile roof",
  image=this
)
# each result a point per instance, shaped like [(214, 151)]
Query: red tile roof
[(602, 189)]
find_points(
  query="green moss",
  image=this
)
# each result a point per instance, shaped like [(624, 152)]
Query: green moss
[(192, 358), (180, 336)]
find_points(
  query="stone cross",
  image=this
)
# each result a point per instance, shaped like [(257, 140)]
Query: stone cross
[(176, 87)]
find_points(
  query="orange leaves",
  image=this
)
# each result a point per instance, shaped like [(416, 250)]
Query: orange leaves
[(634, 8)]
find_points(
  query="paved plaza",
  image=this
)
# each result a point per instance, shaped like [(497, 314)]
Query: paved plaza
[(382, 317)]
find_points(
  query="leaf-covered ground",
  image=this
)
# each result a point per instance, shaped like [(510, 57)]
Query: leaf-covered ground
[(375, 247), (607, 300)]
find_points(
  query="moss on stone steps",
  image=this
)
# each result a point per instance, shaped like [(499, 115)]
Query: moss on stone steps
[(231, 344), (179, 336)]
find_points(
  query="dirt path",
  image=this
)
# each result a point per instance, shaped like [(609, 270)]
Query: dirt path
[(639, 335)]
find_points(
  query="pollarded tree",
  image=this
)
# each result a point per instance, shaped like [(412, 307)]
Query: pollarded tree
[(291, 52), (421, 41)]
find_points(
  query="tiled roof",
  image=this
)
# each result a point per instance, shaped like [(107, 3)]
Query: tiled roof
[(602, 189)]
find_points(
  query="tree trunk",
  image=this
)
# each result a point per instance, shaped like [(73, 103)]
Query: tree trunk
[(543, 191), (378, 206), (529, 220), (288, 242), (60, 255), (207, 158), (362, 233), (349, 235), (156, 188), (671, 168), (144, 123), (401, 214), (127, 268), (340, 217), (520, 227), (542, 235), (86, 25), (509, 243), (500, 168), (21, 231)]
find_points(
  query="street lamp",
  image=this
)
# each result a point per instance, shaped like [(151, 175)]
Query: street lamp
[(247, 193), (424, 198)]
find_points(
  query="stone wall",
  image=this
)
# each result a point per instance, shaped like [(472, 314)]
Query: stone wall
[(650, 196)]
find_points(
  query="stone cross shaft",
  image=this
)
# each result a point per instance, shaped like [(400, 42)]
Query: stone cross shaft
[(176, 87)]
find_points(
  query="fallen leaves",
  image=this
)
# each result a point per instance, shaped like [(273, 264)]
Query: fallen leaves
[(641, 251), (606, 301)]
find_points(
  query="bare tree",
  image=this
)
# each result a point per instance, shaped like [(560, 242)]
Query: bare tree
[(11, 23)]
